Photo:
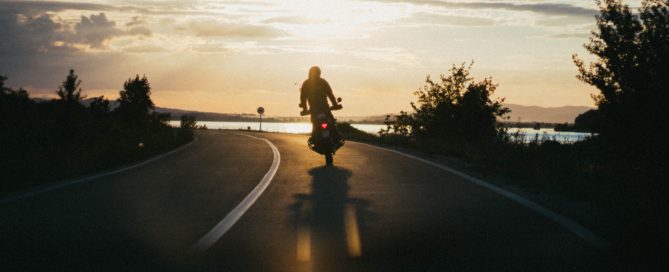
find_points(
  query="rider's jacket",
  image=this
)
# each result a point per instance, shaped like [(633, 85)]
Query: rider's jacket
[(316, 91)]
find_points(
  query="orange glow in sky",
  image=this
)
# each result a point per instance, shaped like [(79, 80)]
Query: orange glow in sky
[(232, 56)]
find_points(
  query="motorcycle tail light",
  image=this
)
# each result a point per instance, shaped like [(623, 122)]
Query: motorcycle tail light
[(324, 125)]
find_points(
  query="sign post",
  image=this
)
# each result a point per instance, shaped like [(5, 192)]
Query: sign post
[(261, 110)]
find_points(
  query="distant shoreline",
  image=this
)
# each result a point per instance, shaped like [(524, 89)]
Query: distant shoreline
[(371, 122), (278, 120)]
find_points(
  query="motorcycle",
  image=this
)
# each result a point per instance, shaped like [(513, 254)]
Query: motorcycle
[(325, 139)]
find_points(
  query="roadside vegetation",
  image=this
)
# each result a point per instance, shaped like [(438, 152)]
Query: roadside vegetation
[(623, 168), (62, 138)]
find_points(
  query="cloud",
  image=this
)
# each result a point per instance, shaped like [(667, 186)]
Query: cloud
[(135, 21), (542, 8), (580, 36), (294, 20), (424, 18), (561, 21), (138, 31), (387, 54), (144, 49), (210, 48), (27, 34), (95, 30), (226, 29), (30, 34), (38, 7)]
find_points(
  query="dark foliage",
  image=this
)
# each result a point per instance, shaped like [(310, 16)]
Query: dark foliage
[(457, 112), (135, 101), (58, 139), (186, 127), (632, 150), (589, 121), (630, 71), (188, 122), (69, 92)]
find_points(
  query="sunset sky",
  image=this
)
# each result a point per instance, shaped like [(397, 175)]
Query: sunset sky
[(233, 56)]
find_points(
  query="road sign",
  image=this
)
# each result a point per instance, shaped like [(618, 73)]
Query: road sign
[(261, 110)]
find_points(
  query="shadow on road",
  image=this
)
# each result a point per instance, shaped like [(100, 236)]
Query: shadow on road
[(329, 223)]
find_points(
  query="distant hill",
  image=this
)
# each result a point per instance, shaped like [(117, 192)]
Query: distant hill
[(564, 114), (372, 119)]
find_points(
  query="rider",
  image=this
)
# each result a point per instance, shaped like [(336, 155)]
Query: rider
[(316, 91)]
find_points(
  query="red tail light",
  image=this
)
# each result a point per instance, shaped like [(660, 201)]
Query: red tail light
[(324, 125)]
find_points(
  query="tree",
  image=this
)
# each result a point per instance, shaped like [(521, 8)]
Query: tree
[(7, 93), (135, 101), (457, 109), (588, 121), (12, 102), (99, 105), (630, 71), (188, 121), (2, 84), (478, 113), (69, 91)]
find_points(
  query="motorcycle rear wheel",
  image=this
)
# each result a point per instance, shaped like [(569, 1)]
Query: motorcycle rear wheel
[(328, 159)]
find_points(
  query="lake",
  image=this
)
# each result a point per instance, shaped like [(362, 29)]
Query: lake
[(530, 135), (527, 134)]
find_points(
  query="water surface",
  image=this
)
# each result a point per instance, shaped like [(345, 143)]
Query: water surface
[(525, 134)]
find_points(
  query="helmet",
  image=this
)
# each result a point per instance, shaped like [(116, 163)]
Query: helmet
[(314, 72)]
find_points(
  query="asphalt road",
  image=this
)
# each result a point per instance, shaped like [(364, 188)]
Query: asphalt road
[(374, 211)]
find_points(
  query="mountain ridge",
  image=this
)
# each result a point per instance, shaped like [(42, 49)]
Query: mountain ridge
[(519, 113)]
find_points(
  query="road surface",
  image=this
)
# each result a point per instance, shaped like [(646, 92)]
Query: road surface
[(374, 211)]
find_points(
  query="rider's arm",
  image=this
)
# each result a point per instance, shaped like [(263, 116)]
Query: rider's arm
[(303, 97), (330, 95)]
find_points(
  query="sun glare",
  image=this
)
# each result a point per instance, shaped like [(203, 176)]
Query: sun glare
[(338, 19)]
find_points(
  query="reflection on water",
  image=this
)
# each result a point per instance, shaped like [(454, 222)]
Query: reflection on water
[(526, 134), (328, 221), (284, 127)]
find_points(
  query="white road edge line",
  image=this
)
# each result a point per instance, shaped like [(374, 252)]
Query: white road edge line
[(576, 228), (224, 225), (89, 178)]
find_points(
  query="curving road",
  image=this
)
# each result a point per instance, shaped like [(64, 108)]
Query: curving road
[(375, 211)]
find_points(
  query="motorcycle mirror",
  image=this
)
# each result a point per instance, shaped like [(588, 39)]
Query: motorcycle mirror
[(338, 99)]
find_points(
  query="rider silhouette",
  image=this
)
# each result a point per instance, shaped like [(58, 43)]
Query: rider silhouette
[(315, 90)]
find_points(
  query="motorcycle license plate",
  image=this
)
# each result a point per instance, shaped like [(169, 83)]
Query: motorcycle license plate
[(325, 134)]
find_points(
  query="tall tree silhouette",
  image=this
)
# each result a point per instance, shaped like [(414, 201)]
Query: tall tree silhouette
[(631, 74), (69, 91), (2, 84), (135, 101)]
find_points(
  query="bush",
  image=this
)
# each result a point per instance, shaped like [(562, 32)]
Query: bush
[(186, 127), (456, 111)]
